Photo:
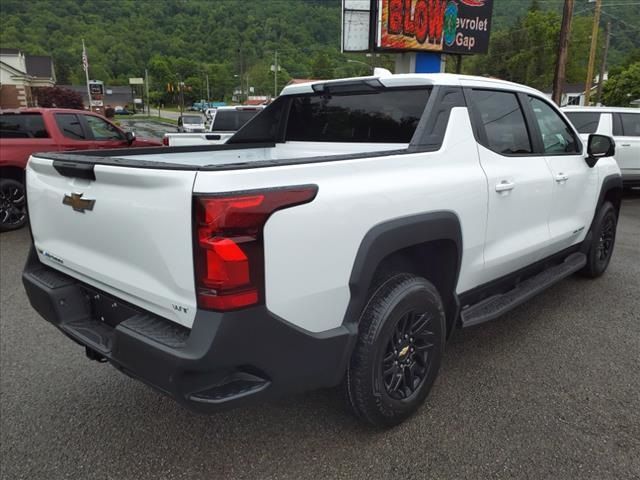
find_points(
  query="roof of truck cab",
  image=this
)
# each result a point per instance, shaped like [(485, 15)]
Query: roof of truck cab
[(601, 109), (418, 79)]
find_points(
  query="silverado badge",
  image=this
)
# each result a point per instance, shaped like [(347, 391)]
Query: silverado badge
[(78, 203)]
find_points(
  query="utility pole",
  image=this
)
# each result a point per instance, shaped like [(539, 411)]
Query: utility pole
[(180, 88), (563, 50), (592, 53), (275, 81), (241, 75), (207, 76), (146, 81), (603, 64)]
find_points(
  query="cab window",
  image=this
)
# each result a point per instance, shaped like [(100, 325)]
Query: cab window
[(557, 135), (70, 126), (103, 130), (22, 125), (630, 124), (503, 122)]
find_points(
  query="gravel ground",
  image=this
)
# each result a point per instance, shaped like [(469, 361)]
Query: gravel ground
[(551, 390)]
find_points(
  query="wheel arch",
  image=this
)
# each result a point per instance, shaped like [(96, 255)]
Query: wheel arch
[(428, 245), (14, 173), (610, 191)]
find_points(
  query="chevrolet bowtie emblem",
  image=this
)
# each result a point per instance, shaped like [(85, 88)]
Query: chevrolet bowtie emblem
[(78, 203)]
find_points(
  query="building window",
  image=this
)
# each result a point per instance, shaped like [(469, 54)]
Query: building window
[(573, 99)]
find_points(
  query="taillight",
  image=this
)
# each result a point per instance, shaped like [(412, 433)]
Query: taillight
[(228, 244), (165, 141)]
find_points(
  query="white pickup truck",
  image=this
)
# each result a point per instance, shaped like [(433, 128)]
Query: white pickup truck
[(339, 237), (225, 122)]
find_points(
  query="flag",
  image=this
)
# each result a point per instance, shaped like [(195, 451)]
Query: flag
[(85, 60)]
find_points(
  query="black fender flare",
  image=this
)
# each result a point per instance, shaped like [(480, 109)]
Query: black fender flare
[(388, 237), (610, 183)]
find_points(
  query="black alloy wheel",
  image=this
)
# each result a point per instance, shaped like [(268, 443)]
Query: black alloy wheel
[(13, 205), (406, 361), (607, 237), (603, 240)]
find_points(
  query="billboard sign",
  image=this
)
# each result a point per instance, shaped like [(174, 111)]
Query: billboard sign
[(96, 87), (447, 26), (356, 25)]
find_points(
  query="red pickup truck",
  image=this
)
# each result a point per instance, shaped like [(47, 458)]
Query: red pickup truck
[(31, 130)]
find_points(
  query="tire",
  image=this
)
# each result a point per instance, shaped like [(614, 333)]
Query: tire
[(13, 205), (602, 242), (386, 384)]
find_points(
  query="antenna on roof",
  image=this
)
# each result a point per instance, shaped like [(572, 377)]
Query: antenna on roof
[(381, 72)]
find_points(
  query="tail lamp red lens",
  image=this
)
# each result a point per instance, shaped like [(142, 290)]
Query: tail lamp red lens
[(229, 249)]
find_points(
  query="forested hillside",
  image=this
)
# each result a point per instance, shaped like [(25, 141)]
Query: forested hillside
[(182, 40)]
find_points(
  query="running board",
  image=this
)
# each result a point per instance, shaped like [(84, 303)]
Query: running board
[(495, 306)]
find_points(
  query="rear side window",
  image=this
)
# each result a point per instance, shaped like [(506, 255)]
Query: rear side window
[(70, 126), (22, 125), (501, 117), (232, 120), (585, 122), (630, 124), (389, 116)]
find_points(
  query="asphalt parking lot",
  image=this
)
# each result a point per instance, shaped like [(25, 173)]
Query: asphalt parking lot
[(552, 390)]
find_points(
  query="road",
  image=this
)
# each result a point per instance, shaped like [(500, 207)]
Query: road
[(551, 391)]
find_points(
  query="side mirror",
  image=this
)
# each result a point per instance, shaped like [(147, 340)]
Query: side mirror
[(599, 146), (131, 136)]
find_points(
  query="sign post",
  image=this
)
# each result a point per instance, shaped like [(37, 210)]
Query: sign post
[(132, 83)]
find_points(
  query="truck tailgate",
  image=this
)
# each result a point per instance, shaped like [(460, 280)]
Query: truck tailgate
[(134, 241)]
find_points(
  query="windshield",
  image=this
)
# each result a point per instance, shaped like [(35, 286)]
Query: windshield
[(232, 120), (192, 119)]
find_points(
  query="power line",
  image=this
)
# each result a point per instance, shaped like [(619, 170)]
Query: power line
[(621, 21)]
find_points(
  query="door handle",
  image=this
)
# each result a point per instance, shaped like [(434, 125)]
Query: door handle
[(561, 178), (505, 186)]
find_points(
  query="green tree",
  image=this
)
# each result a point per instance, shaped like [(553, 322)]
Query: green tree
[(622, 87), (321, 66)]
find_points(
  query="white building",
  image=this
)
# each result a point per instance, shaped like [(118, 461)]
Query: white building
[(19, 73)]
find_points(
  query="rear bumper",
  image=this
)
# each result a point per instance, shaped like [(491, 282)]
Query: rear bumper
[(225, 360)]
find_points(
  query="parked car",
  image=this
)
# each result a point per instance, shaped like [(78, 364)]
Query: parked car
[(26, 131), (122, 111), (340, 236), (225, 121), (621, 123), (191, 124)]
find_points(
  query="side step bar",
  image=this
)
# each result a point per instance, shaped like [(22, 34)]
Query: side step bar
[(497, 305)]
